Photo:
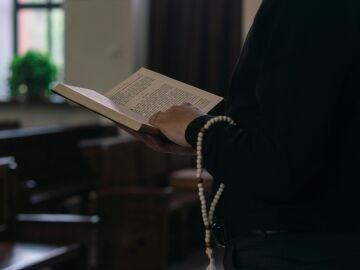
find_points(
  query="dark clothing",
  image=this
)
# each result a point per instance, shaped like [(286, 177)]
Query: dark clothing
[(298, 251), (293, 161)]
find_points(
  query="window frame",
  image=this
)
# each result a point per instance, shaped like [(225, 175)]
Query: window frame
[(18, 7)]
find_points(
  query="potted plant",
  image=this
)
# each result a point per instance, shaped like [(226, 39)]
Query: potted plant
[(31, 77)]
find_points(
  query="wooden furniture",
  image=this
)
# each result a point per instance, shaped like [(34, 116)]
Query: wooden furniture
[(50, 162), (7, 192), (5, 125), (185, 180), (124, 161), (61, 229), (142, 217), (21, 255), (24, 256), (138, 217)]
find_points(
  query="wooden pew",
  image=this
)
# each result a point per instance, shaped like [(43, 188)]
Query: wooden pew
[(136, 210), (25, 255), (148, 220), (139, 219), (59, 230), (124, 161), (7, 194), (5, 125), (50, 162)]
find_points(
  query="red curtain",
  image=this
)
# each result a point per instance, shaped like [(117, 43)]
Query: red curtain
[(195, 41)]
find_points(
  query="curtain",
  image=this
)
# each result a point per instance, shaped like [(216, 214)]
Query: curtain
[(195, 41)]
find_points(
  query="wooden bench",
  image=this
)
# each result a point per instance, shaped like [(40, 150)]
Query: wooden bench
[(50, 162), (61, 229), (137, 216), (5, 125), (16, 255), (147, 218), (26, 256)]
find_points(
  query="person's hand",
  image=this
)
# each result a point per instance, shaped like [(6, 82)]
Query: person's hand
[(174, 121), (159, 144)]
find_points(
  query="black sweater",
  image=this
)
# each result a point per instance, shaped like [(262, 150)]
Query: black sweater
[(293, 160)]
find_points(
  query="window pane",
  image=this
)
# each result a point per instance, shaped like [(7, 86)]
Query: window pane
[(33, 30), (6, 45), (40, 1), (57, 36), (32, 1)]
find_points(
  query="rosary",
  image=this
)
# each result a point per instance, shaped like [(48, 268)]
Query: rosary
[(208, 215)]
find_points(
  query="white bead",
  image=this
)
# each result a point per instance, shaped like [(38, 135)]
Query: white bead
[(208, 217)]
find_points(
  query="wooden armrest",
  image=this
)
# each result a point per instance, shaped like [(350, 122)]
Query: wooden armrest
[(55, 228), (56, 193), (136, 192), (185, 180), (8, 161), (58, 218), (16, 256)]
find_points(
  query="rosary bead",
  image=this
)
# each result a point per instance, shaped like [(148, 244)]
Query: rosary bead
[(208, 217)]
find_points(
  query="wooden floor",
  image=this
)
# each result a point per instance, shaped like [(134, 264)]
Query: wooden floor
[(198, 261)]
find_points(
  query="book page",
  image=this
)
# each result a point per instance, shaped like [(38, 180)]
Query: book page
[(147, 92), (105, 102)]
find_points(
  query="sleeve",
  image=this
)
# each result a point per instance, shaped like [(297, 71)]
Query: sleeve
[(297, 90)]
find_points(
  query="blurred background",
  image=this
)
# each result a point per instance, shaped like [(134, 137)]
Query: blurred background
[(76, 192)]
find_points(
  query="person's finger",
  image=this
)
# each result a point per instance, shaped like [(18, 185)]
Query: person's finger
[(153, 118)]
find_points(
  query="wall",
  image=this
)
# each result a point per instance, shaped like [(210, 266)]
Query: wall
[(250, 7), (105, 41)]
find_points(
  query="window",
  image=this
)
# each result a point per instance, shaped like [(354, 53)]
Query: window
[(33, 25)]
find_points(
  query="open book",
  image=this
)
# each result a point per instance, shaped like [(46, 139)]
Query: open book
[(133, 101)]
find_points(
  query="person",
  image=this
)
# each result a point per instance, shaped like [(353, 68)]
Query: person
[(291, 164)]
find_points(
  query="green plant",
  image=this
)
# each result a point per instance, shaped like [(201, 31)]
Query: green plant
[(32, 74)]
